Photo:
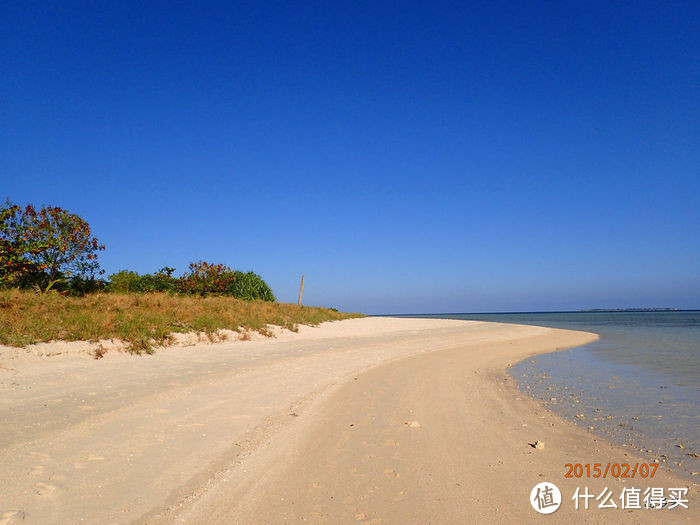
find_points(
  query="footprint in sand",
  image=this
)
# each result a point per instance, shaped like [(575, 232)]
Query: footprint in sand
[(391, 443), (400, 496), (37, 470), (44, 489), (12, 516), (391, 473)]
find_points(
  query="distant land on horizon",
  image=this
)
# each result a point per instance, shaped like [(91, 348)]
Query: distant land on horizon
[(631, 310)]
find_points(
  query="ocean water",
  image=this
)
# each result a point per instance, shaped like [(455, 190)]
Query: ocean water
[(638, 385)]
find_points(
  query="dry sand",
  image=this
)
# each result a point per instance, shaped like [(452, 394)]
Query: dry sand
[(368, 420)]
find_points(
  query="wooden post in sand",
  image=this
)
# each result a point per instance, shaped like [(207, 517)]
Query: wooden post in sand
[(301, 289)]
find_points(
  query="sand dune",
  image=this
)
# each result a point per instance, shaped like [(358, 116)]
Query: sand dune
[(367, 420)]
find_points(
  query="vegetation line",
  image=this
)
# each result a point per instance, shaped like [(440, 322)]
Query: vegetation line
[(142, 320)]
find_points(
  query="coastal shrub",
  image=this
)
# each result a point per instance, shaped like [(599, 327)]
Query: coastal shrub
[(124, 281), (202, 278), (161, 281), (127, 281), (249, 286)]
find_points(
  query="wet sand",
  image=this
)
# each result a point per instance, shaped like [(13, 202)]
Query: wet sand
[(371, 420)]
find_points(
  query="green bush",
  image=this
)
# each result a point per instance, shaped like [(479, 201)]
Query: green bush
[(127, 281), (161, 281), (124, 281), (249, 286)]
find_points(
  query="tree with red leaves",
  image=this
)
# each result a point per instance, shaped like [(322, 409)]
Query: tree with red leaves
[(47, 246), (14, 250)]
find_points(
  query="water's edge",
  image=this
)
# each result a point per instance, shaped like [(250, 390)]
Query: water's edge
[(638, 385), (643, 426)]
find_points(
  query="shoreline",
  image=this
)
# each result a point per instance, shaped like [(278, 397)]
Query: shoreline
[(617, 402), (247, 425)]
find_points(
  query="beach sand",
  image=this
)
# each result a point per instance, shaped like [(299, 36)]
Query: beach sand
[(374, 420)]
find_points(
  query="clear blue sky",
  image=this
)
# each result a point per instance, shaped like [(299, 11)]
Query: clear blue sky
[(405, 156)]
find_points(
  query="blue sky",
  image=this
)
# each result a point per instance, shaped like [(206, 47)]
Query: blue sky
[(405, 156)]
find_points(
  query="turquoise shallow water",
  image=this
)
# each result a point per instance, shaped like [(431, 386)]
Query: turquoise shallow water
[(639, 385)]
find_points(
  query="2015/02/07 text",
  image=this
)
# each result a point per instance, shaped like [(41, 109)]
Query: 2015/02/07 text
[(615, 470)]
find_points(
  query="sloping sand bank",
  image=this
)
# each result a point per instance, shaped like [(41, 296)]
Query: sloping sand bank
[(398, 420)]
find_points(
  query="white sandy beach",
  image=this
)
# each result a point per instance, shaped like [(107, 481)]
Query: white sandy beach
[(375, 420)]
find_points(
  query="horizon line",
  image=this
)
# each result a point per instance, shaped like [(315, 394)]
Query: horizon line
[(587, 311)]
